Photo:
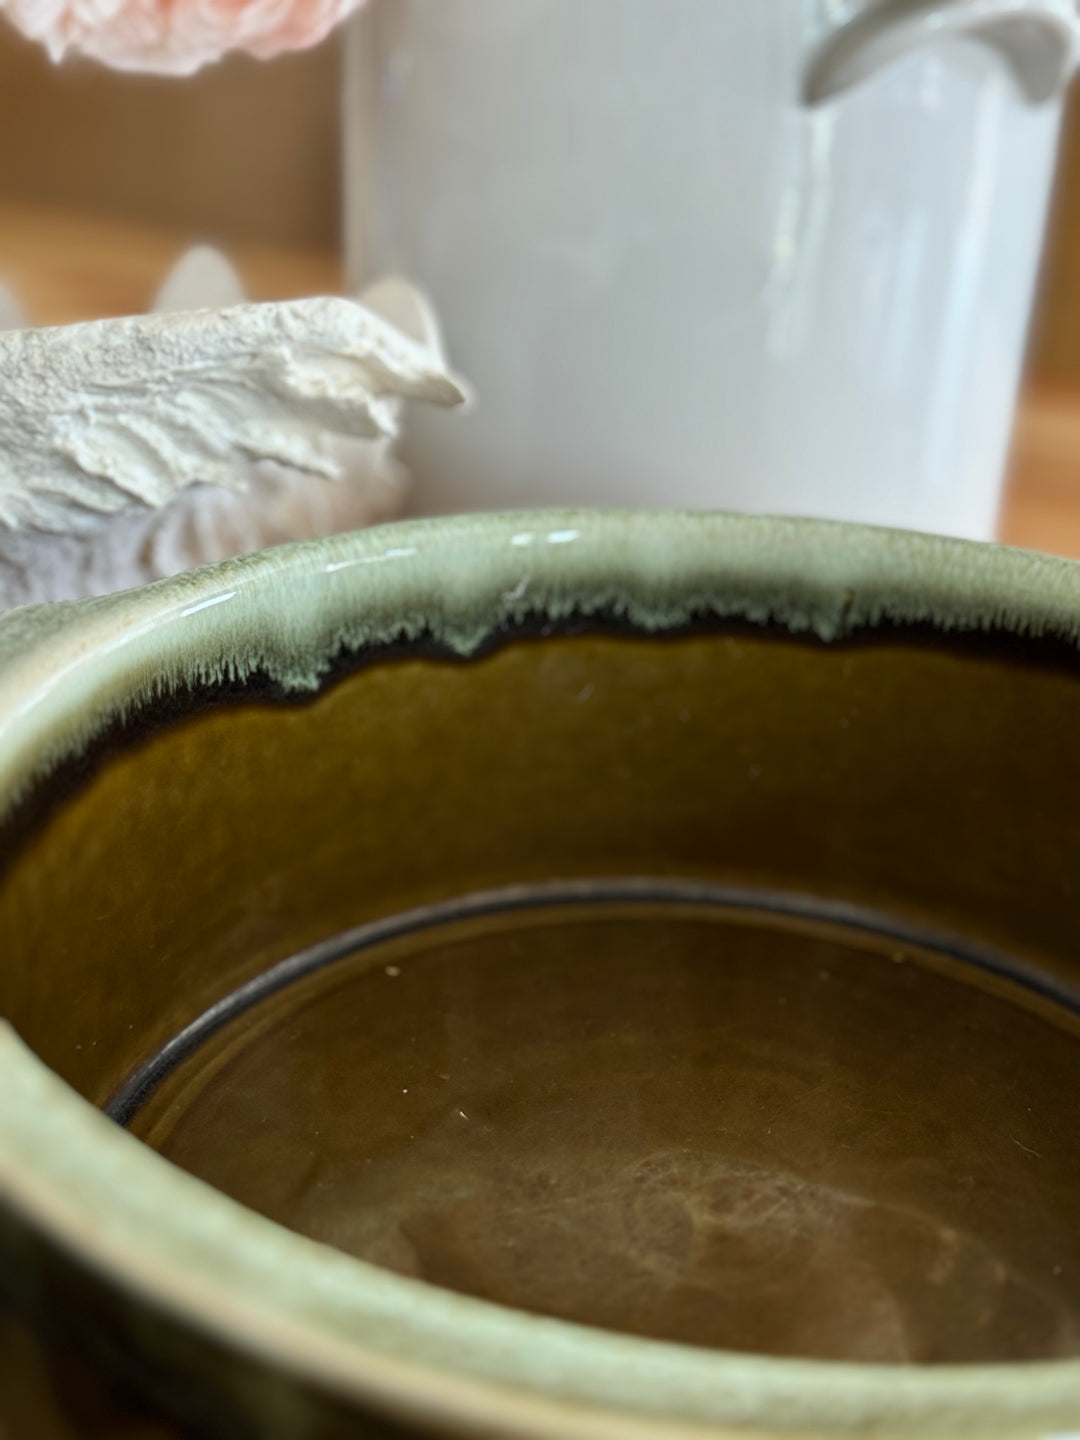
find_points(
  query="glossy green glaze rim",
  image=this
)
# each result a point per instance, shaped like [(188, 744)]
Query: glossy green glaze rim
[(401, 1346)]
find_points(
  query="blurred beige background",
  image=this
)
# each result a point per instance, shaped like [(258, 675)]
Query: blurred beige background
[(250, 152), (105, 178), (244, 150), (1055, 340)]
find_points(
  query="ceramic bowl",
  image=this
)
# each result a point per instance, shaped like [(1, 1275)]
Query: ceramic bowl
[(559, 974)]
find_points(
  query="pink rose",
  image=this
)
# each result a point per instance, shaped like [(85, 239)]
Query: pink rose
[(174, 37)]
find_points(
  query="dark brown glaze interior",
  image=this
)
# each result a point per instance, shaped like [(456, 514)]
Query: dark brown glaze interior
[(921, 1149), (684, 1122)]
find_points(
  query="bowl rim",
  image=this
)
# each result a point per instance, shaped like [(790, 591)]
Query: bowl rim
[(396, 1345)]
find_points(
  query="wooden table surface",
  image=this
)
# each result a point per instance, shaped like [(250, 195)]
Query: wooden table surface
[(66, 267), (1042, 496)]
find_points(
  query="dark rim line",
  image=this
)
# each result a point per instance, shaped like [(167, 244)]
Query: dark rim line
[(129, 1098)]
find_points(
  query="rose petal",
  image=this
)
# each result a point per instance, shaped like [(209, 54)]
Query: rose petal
[(174, 37)]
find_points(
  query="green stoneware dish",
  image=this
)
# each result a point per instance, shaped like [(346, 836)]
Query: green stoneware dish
[(832, 771)]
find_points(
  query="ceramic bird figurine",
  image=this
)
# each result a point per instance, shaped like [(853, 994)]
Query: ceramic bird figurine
[(134, 448), (131, 448), (98, 416)]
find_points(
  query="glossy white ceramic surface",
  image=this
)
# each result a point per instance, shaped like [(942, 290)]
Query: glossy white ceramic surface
[(772, 255)]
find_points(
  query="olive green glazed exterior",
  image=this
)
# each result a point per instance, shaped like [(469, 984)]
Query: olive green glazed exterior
[(332, 674)]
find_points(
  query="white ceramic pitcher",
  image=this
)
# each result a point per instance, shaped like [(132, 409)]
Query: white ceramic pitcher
[(771, 255)]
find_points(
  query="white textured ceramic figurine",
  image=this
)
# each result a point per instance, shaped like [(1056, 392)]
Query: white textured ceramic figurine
[(132, 448)]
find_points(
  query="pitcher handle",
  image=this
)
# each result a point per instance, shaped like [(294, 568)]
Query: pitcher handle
[(1037, 40)]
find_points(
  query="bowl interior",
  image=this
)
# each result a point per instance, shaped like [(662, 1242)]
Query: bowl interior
[(750, 980)]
